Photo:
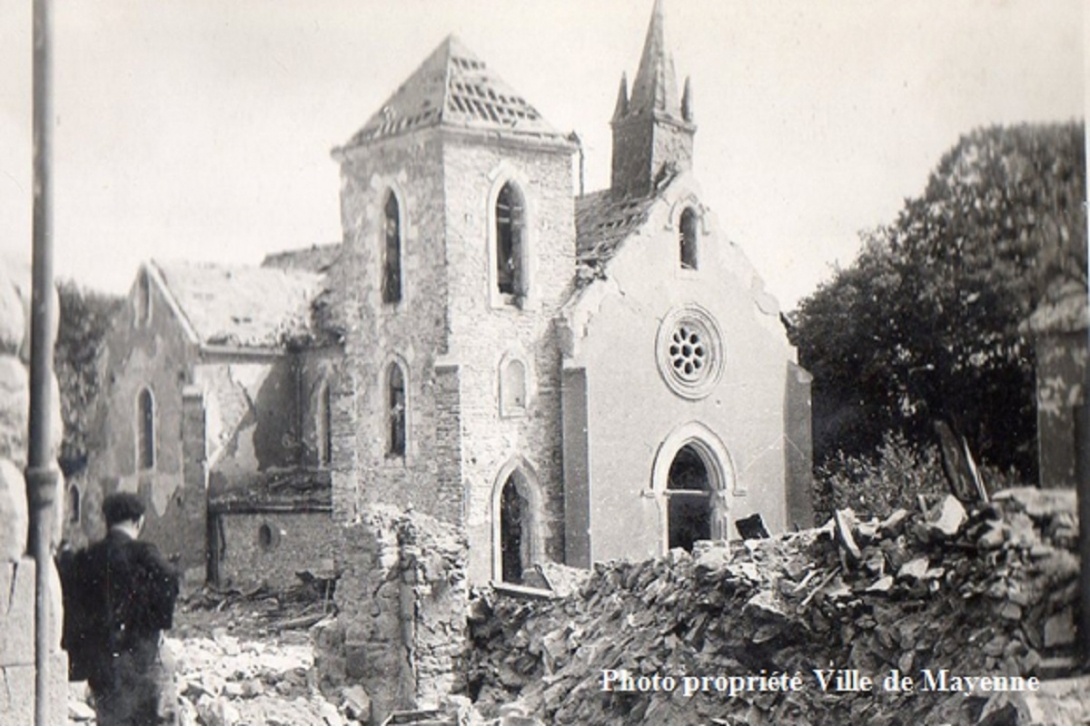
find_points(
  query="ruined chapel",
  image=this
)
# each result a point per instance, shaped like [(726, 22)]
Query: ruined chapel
[(567, 377)]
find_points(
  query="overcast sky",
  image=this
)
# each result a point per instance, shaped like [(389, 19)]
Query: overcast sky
[(202, 128)]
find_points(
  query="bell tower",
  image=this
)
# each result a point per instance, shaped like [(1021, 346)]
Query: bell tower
[(653, 128)]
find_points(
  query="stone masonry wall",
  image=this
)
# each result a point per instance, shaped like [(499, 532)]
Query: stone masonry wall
[(296, 541), (401, 598), (17, 571), (485, 332), (412, 332)]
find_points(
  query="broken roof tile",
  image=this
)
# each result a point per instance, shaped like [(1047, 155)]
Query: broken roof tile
[(453, 88), (241, 306)]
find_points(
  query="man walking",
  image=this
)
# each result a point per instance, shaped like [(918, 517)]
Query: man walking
[(121, 593)]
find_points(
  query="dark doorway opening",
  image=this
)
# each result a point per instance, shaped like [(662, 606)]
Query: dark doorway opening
[(513, 532), (688, 492)]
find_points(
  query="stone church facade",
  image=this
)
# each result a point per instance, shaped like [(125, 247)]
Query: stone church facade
[(567, 377)]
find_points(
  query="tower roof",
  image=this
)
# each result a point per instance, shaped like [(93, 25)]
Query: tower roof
[(454, 88), (655, 87)]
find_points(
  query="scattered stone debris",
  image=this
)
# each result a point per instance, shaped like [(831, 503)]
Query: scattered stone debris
[(986, 591)]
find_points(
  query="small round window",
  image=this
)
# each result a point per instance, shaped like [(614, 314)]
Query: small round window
[(690, 352)]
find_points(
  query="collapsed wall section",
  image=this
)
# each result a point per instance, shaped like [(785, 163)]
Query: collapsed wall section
[(402, 600)]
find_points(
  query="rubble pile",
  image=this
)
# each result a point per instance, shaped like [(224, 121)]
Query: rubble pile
[(226, 680), (986, 592)]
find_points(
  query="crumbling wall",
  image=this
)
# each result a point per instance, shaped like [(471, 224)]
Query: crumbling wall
[(270, 548), (401, 621), (17, 571), (988, 594)]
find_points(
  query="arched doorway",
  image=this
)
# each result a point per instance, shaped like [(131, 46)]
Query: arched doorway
[(689, 498), (693, 477), (514, 514), (516, 522)]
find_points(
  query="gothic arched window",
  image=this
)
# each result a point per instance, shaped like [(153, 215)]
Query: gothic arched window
[(687, 238), (145, 430), (391, 257), (395, 410), (510, 241)]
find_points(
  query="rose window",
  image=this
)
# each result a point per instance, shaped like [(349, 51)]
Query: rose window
[(690, 352)]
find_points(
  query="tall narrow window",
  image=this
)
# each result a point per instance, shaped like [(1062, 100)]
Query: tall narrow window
[(395, 385), (73, 505), (510, 231), (688, 226), (325, 426), (143, 299), (145, 430), (391, 263)]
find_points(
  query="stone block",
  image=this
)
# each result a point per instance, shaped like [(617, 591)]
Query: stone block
[(17, 619), (13, 512), (14, 403), (17, 685), (12, 317)]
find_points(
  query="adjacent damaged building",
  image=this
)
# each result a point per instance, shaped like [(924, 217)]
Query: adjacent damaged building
[(567, 377)]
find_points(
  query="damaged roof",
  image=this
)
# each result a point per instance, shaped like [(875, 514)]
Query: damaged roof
[(316, 258), (247, 307), (454, 88), (602, 223)]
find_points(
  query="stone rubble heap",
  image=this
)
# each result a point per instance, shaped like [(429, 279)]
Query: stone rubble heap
[(225, 680), (987, 592)]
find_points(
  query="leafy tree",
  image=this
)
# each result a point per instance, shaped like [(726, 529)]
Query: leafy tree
[(925, 322), (85, 318)]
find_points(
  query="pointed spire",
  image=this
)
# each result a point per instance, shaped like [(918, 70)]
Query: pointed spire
[(621, 109), (687, 102), (655, 87)]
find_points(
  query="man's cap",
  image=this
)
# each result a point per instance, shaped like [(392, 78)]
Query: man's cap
[(121, 507)]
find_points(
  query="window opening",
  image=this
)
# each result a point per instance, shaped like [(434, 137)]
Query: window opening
[(513, 387), (73, 505), (510, 277), (396, 411), (688, 490), (143, 299), (688, 238), (145, 430), (325, 426), (391, 271)]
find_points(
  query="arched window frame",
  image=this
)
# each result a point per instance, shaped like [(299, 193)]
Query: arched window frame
[(510, 406), (529, 487), (506, 176), (689, 238), (145, 430), (395, 409), (392, 246)]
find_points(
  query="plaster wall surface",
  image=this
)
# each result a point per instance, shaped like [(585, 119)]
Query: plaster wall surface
[(632, 413), (154, 353)]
